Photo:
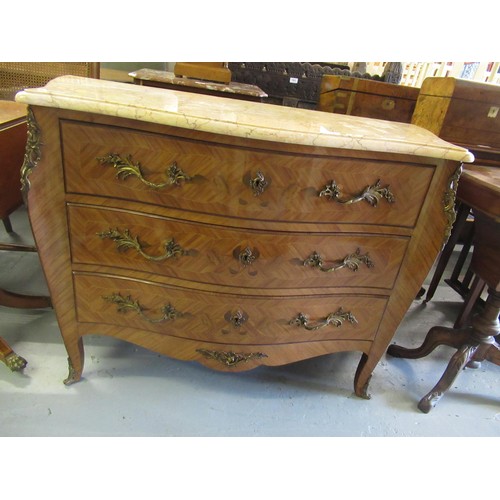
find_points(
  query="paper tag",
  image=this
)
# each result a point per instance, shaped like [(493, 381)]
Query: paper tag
[(294, 80), (493, 112)]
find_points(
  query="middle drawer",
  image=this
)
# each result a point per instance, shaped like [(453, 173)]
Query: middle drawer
[(229, 256)]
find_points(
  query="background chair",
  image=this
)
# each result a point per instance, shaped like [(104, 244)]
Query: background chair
[(14, 77)]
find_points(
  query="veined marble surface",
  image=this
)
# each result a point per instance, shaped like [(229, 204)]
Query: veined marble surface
[(154, 75), (233, 117)]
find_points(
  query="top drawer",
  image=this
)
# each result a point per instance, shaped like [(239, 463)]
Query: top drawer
[(247, 183)]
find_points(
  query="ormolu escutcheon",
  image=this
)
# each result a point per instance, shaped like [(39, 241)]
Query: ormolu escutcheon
[(246, 256), (236, 318), (259, 184)]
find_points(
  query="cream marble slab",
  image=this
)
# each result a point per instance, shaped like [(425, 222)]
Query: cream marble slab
[(240, 118)]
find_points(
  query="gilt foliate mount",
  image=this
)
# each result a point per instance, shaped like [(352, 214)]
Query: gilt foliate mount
[(32, 153)]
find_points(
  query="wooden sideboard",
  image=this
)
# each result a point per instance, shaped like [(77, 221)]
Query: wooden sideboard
[(233, 233), (367, 98), (463, 112)]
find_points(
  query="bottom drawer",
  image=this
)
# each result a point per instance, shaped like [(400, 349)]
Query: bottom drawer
[(224, 318)]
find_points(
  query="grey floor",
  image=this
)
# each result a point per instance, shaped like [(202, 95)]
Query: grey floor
[(129, 391)]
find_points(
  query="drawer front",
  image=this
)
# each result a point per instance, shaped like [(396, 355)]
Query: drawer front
[(244, 258), (224, 318), (247, 183)]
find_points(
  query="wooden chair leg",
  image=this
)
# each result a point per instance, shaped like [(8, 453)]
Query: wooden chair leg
[(475, 291), (10, 299), (7, 224), (463, 213)]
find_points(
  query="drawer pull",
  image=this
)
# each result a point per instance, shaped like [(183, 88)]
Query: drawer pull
[(259, 184), (126, 167), (351, 261), (371, 194), (336, 319), (231, 358), (125, 304), (124, 240)]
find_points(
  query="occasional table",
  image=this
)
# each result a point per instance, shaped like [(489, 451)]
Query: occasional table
[(479, 188), (168, 80)]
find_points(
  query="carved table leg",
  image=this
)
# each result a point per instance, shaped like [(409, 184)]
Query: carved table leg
[(438, 335), (474, 344), (493, 354), (457, 362), (10, 358)]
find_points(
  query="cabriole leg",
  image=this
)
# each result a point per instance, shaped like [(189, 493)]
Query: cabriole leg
[(75, 361), (363, 376)]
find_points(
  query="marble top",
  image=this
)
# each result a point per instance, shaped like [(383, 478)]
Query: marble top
[(255, 120), (154, 75)]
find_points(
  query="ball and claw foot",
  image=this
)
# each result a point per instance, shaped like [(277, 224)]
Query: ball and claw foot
[(15, 362)]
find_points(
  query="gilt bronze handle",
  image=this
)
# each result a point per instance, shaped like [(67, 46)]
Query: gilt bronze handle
[(351, 261), (124, 240), (126, 167), (125, 304), (371, 194), (336, 319)]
